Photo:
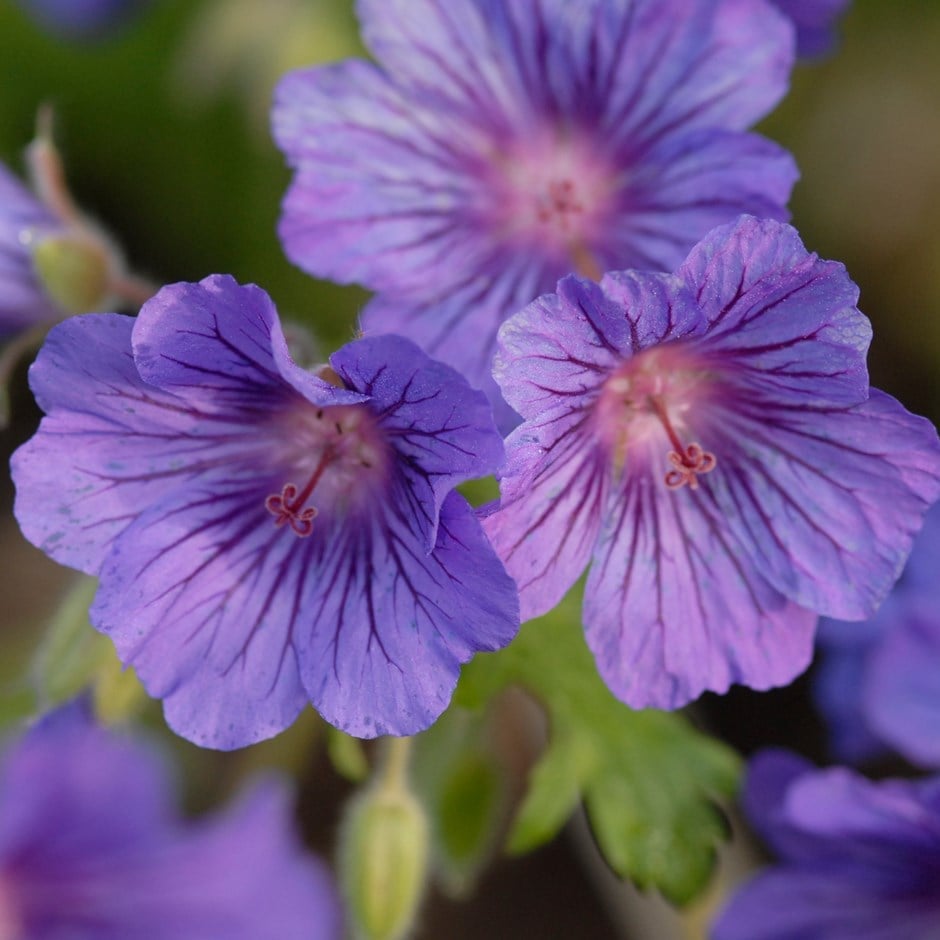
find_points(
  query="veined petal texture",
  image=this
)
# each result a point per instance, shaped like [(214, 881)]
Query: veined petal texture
[(265, 537), (495, 147), (709, 444)]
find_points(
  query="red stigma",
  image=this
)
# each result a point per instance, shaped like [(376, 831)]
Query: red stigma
[(285, 510), (559, 204), (287, 507), (688, 461)]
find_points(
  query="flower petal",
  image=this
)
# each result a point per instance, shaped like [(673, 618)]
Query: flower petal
[(200, 595), (779, 312), (127, 442), (392, 624), (231, 352), (826, 502), (674, 607), (442, 430)]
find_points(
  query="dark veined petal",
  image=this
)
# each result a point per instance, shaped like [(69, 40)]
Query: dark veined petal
[(222, 343), (641, 65), (553, 496), (389, 625), (779, 312), (693, 182), (202, 596), (440, 429), (824, 502), (673, 606), (126, 442)]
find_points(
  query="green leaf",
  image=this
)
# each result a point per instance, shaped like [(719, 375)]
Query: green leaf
[(648, 779), (74, 657), (463, 787)]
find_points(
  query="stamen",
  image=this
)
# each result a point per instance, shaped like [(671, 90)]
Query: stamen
[(287, 507), (559, 203), (689, 460)]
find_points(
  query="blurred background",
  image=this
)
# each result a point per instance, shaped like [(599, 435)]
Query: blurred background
[(163, 128)]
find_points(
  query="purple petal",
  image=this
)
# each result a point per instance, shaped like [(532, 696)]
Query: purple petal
[(780, 311), (127, 442), (231, 353), (901, 697), (790, 904), (71, 782), (815, 23), (442, 430), (673, 606), (393, 624), (200, 595), (823, 499), (22, 218)]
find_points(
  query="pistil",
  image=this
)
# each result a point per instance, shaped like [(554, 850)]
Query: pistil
[(287, 507), (688, 460)]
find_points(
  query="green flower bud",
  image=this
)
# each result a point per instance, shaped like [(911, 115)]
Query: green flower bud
[(384, 855), (74, 271)]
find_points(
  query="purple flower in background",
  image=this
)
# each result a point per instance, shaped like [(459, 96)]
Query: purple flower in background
[(498, 146), (82, 19), (878, 682), (708, 442), (815, 23), (91, 848), (24, 222), (265, 537), (858, 860)]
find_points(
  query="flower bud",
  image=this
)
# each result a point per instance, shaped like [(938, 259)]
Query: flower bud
[(384, 850), (73, 270)]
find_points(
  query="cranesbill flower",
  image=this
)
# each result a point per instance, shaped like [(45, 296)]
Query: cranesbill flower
[(82, 19), (498, 146), (815, 23), (265, 537), (858, 860), (878, 683), (708, 442), (91, 848)]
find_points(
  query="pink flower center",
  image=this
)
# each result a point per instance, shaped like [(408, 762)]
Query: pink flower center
[(650, 397), (343, 455), (551, 194)]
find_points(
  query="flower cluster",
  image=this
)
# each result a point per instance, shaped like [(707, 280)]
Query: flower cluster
[(498, 146), (91, 847)]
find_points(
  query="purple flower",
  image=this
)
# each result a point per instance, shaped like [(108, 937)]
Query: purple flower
[(82, 19), (263, 537), (91, 848), (858, 860), (815, 23), (24, 221), (498, 146), (709, 443), (878, 682)]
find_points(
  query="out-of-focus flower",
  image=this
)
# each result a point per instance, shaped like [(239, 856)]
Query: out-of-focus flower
[(815, 23), (498, 146), (878, 682), (709, 443), (91, 848), (858, 860), (54, 260), (264, 537), (82, 19)]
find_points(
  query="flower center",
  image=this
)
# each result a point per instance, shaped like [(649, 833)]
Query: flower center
[(648, 397), (341, 451), (551, 194)]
